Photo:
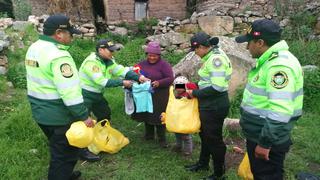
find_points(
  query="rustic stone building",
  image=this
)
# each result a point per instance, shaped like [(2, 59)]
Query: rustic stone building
[(110, 10)]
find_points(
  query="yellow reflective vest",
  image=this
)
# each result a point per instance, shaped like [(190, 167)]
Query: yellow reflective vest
[(273, 97), (94, 74), (53, 84)]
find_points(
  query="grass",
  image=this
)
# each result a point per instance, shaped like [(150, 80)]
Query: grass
[(24, 154), (23, 147)]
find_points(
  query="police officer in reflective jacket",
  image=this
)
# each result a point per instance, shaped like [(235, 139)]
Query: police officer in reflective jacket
[(215, 74), (272, 100), (98, 72), (54, 93)]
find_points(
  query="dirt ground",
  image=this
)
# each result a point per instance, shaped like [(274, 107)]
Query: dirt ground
[(234, 158)]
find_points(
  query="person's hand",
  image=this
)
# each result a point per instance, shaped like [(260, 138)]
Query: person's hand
[(262, 153), (189, 92), (127, 83), (155, 84), (143, 79), (89, 122)]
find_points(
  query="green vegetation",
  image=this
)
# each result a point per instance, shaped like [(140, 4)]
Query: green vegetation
[(21, 9), (301, 27), (24, 151)]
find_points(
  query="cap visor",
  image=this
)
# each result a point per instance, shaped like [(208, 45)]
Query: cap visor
[(114, 48), (74, 31), (242, 39), (191, 49)]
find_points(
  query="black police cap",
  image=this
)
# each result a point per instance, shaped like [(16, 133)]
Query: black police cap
[(105, 43), (201, 38), (59, 21), (261, 29)]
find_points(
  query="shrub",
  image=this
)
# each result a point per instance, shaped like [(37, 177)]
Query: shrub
[(311, 91), (234, 111), (21, 9), (306, 51), (80, 49), (173, 58), (301, 25), (132, 53), (17, 75), (114, 37), (144, 27)]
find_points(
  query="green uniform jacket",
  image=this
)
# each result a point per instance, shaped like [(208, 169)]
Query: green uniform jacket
[(96, 74), (215, 74), (53, 84), (273, 97)]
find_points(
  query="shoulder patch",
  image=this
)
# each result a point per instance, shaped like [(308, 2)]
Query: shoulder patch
[(32, 63), (95, 69), (66, 70), (279, 80), (217, 62)]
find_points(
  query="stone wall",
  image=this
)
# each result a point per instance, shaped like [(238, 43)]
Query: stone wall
[(77, 10), (262, 6), (171, 8), (120, 10), (124, 10), (39, 7)]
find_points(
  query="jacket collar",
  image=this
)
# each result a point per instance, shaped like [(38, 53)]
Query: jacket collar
[(272, 52), (55, 42)]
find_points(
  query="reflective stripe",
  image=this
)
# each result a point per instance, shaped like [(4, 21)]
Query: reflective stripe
[(70, 84), (40, 81), (255, 90), (85, 76), (277, 116), (283, 56), (284, 95), (125, 71), (219, 88), (96, 75), (47, 96), (116, 69), (204, 78), (218, 74), (89, 88), (104, 82), (71, 102)]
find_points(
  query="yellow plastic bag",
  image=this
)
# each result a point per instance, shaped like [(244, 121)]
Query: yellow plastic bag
[(107, 139), (79, 135), (182, 115), (244, 170)]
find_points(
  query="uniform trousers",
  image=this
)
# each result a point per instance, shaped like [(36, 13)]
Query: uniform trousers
[(63, 157), (272, 169), (211, 139)]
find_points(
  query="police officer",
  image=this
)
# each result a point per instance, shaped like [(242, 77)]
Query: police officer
[(97, 72), (54, 93), (213, 98), (272, 99)]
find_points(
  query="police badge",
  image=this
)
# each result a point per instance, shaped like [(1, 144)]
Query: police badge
[(279, 80), (66, 70)]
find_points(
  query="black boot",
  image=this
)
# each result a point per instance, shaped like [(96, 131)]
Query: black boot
[(219, 173), (75, 175), (214, 177), (86, 155), (161, 133), (149, 132), (196, 167)]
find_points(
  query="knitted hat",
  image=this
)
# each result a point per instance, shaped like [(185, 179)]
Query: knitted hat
[(180, 80), (153, 48)]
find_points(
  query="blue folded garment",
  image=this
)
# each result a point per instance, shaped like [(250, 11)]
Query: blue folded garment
[(142, 97)]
